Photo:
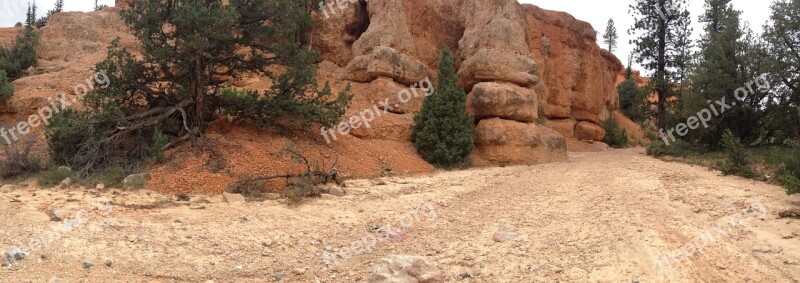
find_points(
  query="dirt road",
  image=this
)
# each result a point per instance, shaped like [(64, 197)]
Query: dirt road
[(599, 217)]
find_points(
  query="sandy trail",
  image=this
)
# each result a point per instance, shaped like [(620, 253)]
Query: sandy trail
[(599, 217)]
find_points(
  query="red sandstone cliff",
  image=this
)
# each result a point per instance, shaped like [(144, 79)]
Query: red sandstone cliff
[(537, 82)]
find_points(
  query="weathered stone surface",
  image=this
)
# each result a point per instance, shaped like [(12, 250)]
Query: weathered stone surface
[(389, 126), (589, 131), (502, 100), (499, 141), (405, 269), (386, 62), (489, 65), (399, 98), (565, 127), (578, 77)]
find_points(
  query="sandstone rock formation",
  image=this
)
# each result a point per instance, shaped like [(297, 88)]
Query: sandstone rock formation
[(537, 82), (519, 63)]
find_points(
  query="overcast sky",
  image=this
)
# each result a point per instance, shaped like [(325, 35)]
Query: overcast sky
[(597, 13), (13, 11)]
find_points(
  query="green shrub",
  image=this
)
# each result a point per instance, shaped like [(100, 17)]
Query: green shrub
[(21, 55), (789, 169), (113, 176), (53, 176), (19, 159), (67, 130), (736, 160), (442, 130), (616, 136), (6, 88), (155, 150), (247, 186)]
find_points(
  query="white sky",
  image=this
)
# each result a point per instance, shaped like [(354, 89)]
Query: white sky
[(597, 13), (13, 11)]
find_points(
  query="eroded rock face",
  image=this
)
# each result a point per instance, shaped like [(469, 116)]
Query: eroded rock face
[(503, 100), (499, 141), (589, 131), (535, 77), (386, 62), (577, 75)]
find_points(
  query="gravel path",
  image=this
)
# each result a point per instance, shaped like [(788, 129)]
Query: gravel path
[(599, 217)]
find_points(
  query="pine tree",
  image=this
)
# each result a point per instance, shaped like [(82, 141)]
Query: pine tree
[(782, 54), (30, 16), (59, 7), (175, 88), (6, 88), (610, 37), (632, 100), (442, 129), (661, 27), (718, 71)]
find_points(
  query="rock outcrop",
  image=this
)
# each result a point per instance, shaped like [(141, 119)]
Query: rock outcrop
[(519, 63), (537, 82)]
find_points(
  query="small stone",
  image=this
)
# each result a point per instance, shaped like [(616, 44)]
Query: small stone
[(697, 210), (12, 255), (55, 215), (764, 250), (65, 183), (100, 186), (464, 275), (558, 270), (403, 268), (380, 182), (635, 280), (108, 263), (278, 277), (233, 198), (299, 271), (504, 234), (87, 265), (791, 262), (337, 191)]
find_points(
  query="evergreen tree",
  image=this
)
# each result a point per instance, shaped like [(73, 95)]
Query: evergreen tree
[(442, 129), (661, 27), (30, 16), (782, 35), (21, 55), (57, 9), (179, 82), (632, 99), (6, 88), (610, 37)]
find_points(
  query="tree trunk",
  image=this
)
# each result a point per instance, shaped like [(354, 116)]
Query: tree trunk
[(661, 78), (199, 93)]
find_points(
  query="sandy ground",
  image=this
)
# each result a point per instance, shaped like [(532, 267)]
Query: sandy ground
[(599, 217)]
